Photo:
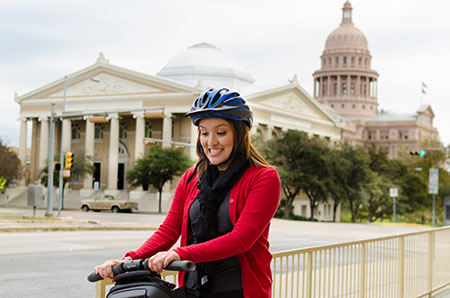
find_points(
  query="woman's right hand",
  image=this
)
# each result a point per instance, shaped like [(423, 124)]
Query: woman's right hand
[(105, 270)]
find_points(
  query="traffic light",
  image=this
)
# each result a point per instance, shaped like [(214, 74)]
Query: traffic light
[(420, 153), (56, 166), (69, 161)]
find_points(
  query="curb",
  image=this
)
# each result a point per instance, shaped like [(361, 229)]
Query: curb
[(37, 228)]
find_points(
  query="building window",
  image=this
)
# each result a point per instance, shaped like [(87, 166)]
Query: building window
[(353, 60), (344, 88), (148, 129), (344, 60), (335, 89), (364, 107), (384, 135), (332, 105), (337, 60), (343, 105), (122, 130), (359, 60), (324, 61), (75, 131), (353, 106), (98, 131), (329, 60), (371, 135), (352, 89)]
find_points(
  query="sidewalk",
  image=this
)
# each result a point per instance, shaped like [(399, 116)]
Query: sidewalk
[(15, 221)]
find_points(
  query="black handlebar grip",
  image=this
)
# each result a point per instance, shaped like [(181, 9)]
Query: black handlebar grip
[(93, 277), (186, 266)]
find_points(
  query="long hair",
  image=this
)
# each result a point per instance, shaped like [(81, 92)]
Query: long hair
[(242, 144)]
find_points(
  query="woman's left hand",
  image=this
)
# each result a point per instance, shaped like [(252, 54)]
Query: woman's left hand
[(160, 260)]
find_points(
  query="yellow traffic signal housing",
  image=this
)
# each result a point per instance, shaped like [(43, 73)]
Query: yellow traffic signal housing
[(69, 161)]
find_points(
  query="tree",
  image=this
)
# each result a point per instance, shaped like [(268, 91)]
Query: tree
[(348, 172), (10, 165), (157, 167), (301, 163)]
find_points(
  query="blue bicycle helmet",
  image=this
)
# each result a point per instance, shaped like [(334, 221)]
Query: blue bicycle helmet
[(221, 103)]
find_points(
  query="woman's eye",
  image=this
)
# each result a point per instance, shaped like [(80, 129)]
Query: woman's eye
[(221, 133), (204, 134)]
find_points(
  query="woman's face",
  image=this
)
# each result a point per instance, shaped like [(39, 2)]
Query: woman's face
[(217, 140)]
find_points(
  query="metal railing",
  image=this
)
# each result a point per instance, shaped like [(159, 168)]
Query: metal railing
[(407, 265)]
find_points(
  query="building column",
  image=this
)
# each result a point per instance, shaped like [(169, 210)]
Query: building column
[(167, 130), (329, 86), (139, 148), (339, 87), (67, 135), (89, 152), (194, 136), (43, 143), (113, 159), (358, 86), (23, 147)]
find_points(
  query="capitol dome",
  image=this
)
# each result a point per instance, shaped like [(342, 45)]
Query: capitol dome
[(206, 63), (346, 38)]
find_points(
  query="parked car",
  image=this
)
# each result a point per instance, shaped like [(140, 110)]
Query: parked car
[(107, 202)]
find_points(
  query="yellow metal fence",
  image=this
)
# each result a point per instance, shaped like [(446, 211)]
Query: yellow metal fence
[(407, 265)]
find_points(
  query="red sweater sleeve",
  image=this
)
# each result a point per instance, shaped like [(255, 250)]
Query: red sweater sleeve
[(169, 231), (263, 195)]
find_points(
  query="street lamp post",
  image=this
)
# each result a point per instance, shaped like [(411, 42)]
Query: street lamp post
[(61, 153)]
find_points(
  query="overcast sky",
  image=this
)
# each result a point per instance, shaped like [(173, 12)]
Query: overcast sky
[(41, 41)]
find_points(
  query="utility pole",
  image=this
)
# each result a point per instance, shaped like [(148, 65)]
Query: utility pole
[(50, 163)]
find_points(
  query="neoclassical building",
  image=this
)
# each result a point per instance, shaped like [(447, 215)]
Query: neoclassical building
[(347, 84), (110, 111)]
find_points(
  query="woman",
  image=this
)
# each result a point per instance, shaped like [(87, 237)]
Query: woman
[(221, 208)]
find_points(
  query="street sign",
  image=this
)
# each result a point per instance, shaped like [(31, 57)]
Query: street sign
[(66, 173), (433, 183), (393, 192)]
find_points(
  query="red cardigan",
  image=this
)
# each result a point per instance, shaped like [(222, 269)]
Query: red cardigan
[(252, 203)]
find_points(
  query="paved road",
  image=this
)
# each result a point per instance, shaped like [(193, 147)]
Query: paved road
[(55, 264)]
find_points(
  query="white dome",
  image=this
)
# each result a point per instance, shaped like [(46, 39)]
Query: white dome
[(206, 63)]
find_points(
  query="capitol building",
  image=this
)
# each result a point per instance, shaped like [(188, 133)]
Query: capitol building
[(114, 110)]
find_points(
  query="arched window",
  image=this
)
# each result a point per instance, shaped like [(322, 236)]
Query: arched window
[(345, 60), (353, 60), (359, 60), (75, 131), (337, 60), (122, 130), (329, 60), (352, 89)]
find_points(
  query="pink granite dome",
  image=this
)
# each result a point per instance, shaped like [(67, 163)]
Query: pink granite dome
[(346, 38)]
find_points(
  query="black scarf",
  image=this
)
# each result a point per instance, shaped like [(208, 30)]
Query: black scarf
[(213, 189)]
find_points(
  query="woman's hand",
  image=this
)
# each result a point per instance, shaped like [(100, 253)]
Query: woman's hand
[(105, 270), (160, 260)]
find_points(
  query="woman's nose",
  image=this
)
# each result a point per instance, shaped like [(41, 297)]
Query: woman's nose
[(212, 140)]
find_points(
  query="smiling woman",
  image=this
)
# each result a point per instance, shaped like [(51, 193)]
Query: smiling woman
[(221, 208)]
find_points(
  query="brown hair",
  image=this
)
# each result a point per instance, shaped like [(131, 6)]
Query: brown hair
[(242, 144)]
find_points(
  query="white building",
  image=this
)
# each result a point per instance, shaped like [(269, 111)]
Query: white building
[(113, 114)]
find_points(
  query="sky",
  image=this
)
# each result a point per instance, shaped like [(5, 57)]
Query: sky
[(42, 41)]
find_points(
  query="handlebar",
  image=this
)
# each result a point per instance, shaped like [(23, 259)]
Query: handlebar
[(136, 265)]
